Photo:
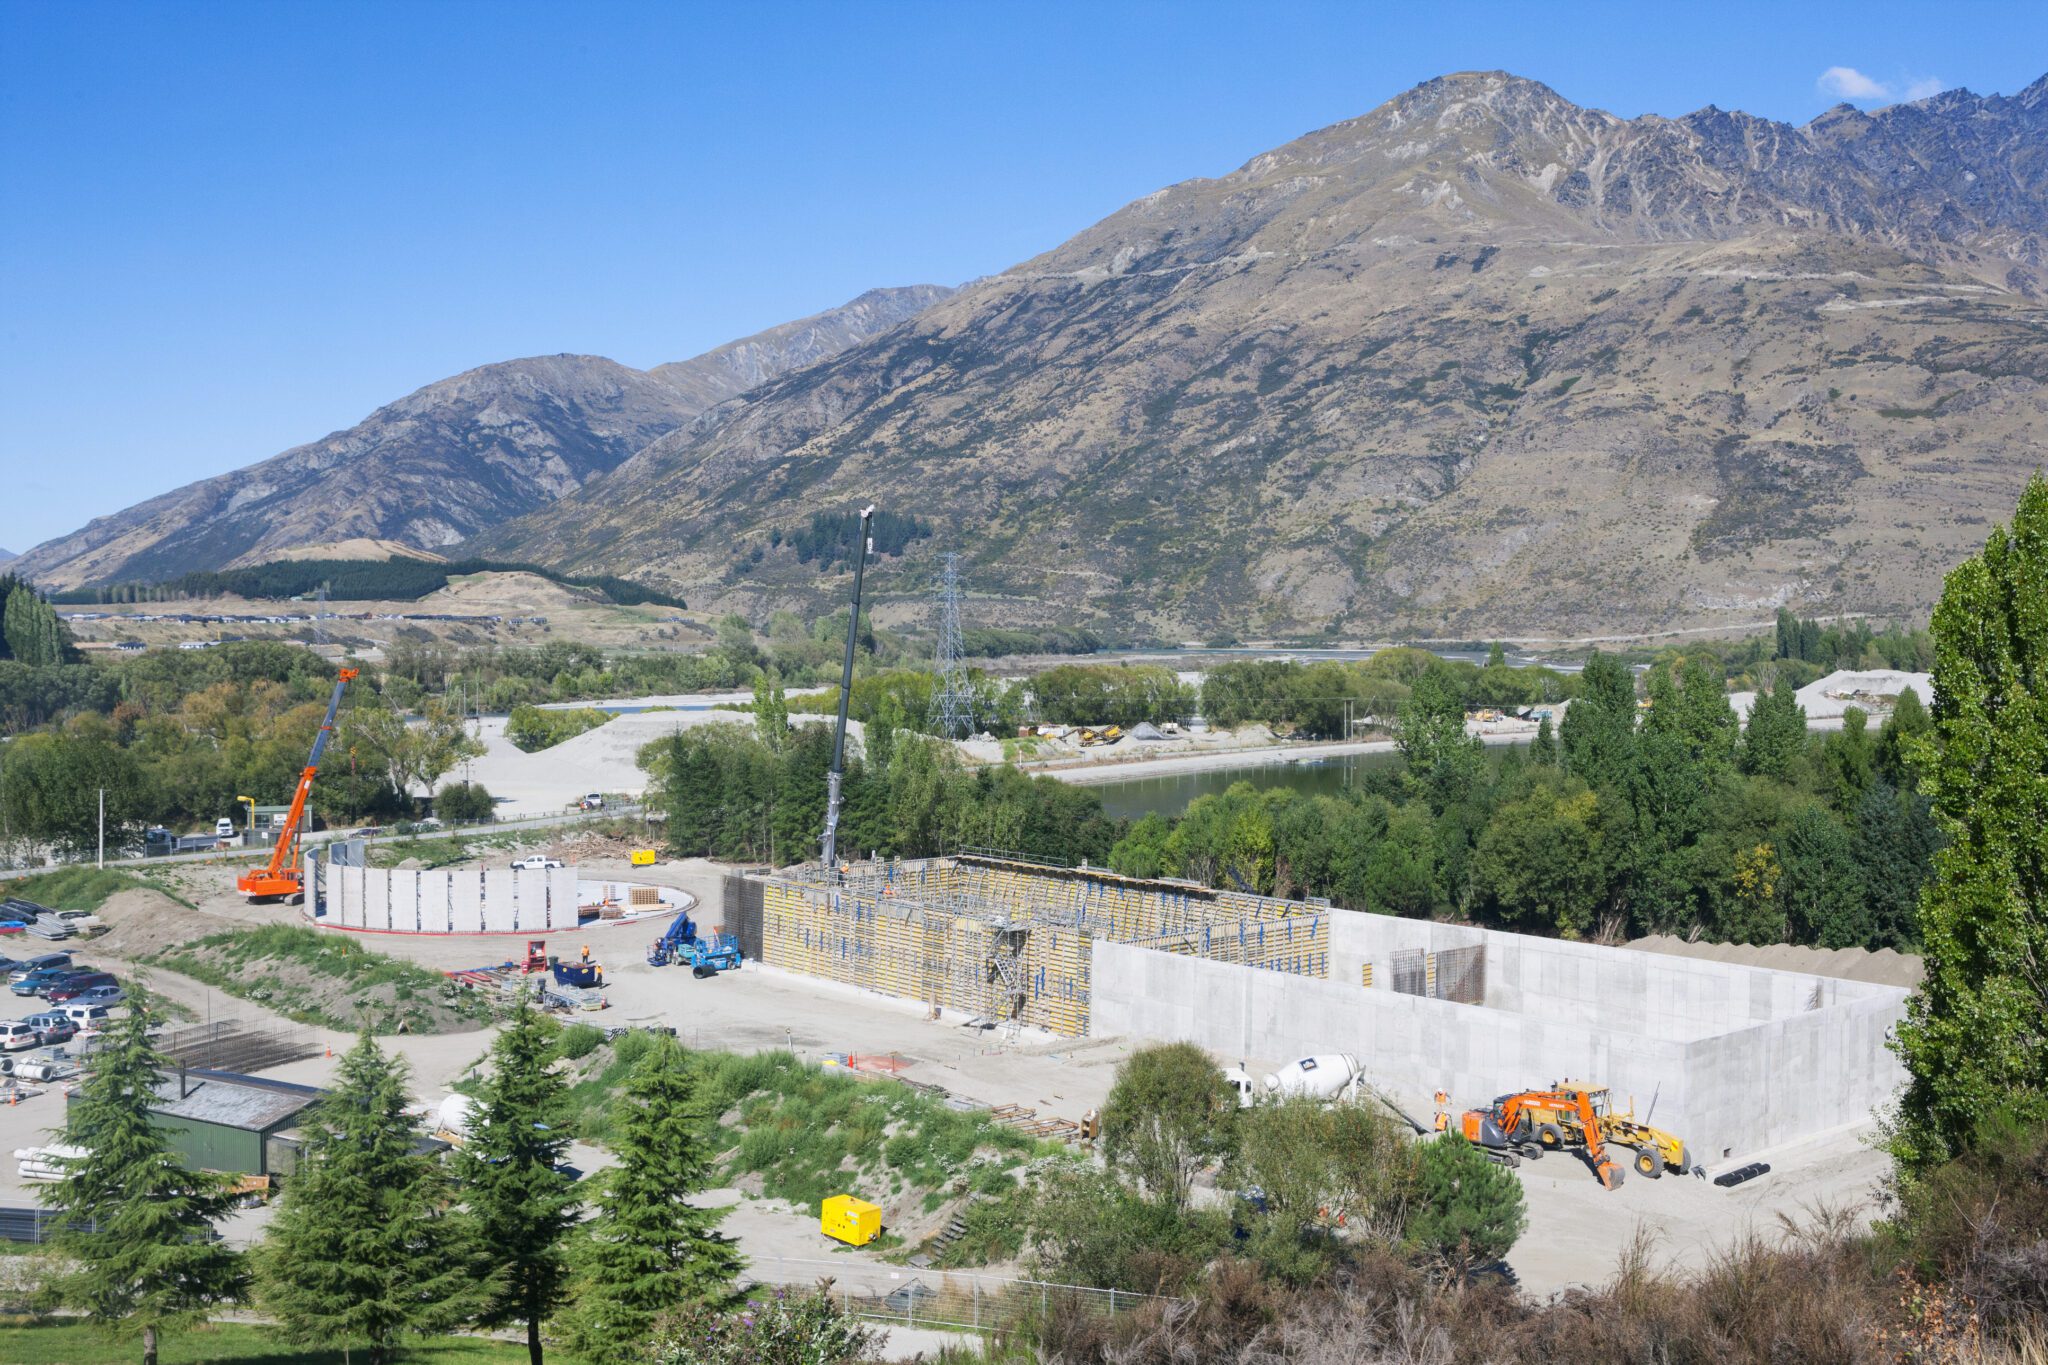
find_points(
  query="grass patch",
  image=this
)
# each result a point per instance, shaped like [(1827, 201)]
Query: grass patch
[(233, 1343), (809, 1132), (81, 888), (326, 979)]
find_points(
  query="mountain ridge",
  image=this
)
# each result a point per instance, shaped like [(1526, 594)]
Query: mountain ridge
[(1477, 360), (449, 459)]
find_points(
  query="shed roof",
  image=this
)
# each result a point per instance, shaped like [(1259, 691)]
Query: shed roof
[(252, 1108)]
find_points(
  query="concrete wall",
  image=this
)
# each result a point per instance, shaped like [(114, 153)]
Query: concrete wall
[(1738, 1091), (463, 902), (1647, 995)]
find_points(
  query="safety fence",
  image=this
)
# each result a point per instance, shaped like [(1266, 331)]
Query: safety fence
[(940, 1300)]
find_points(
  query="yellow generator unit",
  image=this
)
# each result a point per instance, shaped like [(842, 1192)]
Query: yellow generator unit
[(643, 857), (852, 1221)]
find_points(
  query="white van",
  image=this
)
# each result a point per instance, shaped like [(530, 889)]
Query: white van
[(224, 828), (87, 1018)]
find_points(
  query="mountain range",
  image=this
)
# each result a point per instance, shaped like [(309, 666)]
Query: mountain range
[(451, 459), (1481, 361)]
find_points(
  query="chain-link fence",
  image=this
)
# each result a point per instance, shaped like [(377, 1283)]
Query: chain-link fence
[(944, 1300)]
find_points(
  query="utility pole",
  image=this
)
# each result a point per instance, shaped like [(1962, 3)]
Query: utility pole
[(833, 777), (103, 829)]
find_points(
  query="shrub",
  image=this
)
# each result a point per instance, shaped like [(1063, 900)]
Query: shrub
[(464, 801)]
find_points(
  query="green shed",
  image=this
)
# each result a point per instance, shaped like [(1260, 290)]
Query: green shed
[(220, 1121)]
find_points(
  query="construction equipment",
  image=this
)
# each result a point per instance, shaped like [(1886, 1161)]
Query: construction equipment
[(1513, 1128), (536, 956), (852, 1221), (704, 957), (1652, 1149), (282, 876), (585, 974), (1108, 734), (641, 857)]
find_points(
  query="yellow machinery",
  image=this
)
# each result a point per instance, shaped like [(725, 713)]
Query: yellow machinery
[(1652, 1149), (852, 1221), (643, 857)]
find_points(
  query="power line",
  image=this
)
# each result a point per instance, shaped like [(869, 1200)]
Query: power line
[(951, 714)]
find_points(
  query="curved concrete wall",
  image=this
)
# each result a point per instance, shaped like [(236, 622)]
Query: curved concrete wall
[(463, 901)]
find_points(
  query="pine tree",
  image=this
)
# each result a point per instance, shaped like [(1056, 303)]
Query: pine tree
[(136, 1224), (648, 1250), (366, 1243), (524, 1207), (1468, 1211), (1543, 749), (1972, 1040), (1776, 733)]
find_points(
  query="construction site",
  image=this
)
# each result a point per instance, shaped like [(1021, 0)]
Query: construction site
[(1736, 1058)]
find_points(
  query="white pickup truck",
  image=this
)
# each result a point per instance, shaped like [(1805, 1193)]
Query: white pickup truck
[(538, 862)]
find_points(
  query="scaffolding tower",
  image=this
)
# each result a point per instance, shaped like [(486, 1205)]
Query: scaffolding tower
[(952, 708)]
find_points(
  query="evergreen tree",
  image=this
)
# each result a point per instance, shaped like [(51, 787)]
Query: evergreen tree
[(524, 1206), (1908, 724), (365, 1243), (1468, 1212), (647, 1250), (1894, 850), (1776, 733), (1821, 888), (135, 1224), (1543, 749), (1598, 734), (1972, 1040)]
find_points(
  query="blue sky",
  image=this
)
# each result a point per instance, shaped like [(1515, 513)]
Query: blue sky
[(227, 229)]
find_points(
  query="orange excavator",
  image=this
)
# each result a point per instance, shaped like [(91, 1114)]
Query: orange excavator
[(1510, 1128), (282, 877)]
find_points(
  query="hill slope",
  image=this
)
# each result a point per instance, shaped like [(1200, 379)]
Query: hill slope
[(450, 459), (1481, 360)]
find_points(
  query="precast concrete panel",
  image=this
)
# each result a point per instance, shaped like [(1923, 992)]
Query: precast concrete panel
[(376, 898), (352, 897), (434, 903), (466, 901), (330, 898), (561, 884), (531, 908), (405, 900), (501, 915)]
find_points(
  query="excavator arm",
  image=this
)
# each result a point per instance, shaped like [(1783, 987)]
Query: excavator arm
[(1513, 1110), (281, 876)]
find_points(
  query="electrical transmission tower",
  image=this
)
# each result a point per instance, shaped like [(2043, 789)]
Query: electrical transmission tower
[(952, 709)]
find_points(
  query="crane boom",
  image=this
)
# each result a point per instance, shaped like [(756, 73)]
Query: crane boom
[(282, 876)]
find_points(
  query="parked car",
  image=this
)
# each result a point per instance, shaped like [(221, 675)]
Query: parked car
[(36, 964), (538, 862), (591, 801), (87, 1018), (74, 986), (53, 1027), (16, 1036), (35, 983), (224, 828), (100, 995)]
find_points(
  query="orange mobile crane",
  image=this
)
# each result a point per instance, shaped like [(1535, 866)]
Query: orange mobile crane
[(281, 876), (1509, 1127)]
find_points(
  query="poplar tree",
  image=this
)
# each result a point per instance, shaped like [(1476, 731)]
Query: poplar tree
[(367, 1243), (135, 1224), (648, 1250), (1973, 1041), (524, 1205), (1776, 733)]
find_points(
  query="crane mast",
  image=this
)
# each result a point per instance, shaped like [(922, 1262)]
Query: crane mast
[(282, 876)]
